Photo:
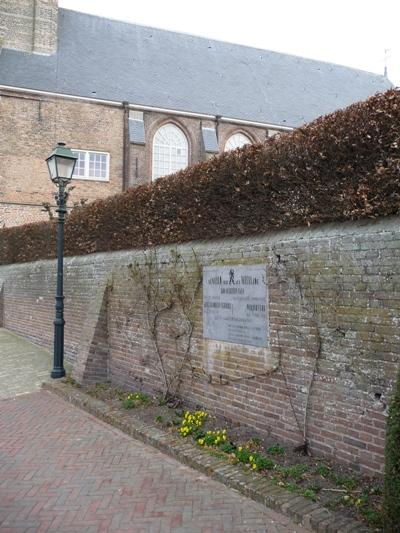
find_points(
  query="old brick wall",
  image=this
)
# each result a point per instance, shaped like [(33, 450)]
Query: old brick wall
[(15, 215), (32, 124), (30, 127), (29, 25), (334, 294), (141, 155)]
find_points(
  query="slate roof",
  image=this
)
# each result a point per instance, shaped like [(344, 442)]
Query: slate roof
[(114, 60)]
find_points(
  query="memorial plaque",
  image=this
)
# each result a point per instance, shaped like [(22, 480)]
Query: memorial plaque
[(235, 304)]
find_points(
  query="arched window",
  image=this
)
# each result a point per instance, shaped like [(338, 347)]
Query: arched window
[(170, 151), (237, 140)]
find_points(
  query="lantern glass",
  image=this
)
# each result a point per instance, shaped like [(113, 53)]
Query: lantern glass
[(51, 163), (61, 164), (65, 167)]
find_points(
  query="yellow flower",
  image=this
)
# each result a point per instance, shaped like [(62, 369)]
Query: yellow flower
[(251, 458), (201, 441), (240, 448), (254, 466)]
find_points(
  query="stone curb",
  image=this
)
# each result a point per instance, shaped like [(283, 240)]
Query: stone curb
[(253, 485)]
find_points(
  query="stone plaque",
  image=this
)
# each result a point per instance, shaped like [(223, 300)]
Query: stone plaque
[(235, 304)]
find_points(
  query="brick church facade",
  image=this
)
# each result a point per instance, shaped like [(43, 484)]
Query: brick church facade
[(138, 103)]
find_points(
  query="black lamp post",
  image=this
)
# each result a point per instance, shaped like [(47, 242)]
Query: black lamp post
[(61, 165)]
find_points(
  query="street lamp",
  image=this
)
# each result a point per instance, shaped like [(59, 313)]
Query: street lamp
[(61, 166)]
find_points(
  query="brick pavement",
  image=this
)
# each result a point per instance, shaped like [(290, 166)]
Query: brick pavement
[(23, 365), (63, 470)]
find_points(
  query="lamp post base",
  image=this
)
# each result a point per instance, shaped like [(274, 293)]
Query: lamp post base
[(57, 373)]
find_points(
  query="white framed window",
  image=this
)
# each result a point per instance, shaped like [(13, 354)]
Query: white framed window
[(237, 140), (91, 165), (170, 151)]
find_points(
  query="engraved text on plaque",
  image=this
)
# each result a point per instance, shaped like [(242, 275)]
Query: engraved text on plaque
[(235, 304)]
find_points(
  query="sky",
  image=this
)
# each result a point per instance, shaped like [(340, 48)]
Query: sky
[(356, 33)]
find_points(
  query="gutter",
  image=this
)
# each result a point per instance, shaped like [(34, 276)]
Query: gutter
[(189, 114), (126, 148)]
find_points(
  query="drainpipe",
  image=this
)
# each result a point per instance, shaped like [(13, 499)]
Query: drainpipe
[(217, 119), (126, 148)]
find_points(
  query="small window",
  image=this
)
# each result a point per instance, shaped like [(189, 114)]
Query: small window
[(237, 140), (91, 165), (170, 151)]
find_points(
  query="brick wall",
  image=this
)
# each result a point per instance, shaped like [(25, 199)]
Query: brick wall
[(31, 125), (141, 156), (16, 215), (333, 289), (29, 25)]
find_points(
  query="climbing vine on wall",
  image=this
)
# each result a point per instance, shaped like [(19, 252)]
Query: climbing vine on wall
[(169, 284), (292, 277)]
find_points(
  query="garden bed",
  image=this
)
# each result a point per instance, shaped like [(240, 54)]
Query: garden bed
[(330, 484)]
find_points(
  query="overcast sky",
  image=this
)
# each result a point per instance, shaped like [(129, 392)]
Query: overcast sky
[(349, 32)]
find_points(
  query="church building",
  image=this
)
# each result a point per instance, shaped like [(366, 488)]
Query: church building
[(137, 103)]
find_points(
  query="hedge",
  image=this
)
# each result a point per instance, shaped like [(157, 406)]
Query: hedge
[(343, 166)]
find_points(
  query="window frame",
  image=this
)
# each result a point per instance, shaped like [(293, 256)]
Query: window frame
[(87, 177), (153, 151), (234, 134)]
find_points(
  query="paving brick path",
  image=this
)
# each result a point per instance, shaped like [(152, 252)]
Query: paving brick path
[(23, 365), (61, 470)]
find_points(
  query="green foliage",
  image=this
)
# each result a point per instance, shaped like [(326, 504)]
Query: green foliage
[(128, 404), (310, 494), (161, 401), (295, 472), (391, 493), (242, 454), (323, 470), (347, 482), (212, 438), (373, 517), (135, 399), (291, 487), (316, 487), (276, 449), (261, 462), (342, 166), (227, 447), (255, 460), (159, 419), (363, 506)]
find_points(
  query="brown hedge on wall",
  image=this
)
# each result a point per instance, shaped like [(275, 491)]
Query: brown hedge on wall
[(340, 167)]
